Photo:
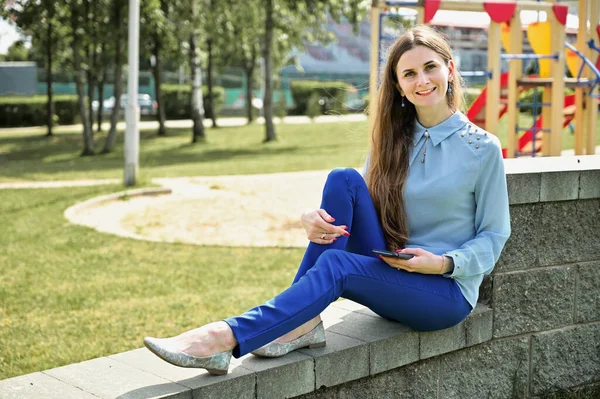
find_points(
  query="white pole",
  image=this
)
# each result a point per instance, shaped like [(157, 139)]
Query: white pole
[(132, 112)]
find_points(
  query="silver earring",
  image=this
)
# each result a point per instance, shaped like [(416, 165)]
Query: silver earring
[(449, 89), (402, 103)]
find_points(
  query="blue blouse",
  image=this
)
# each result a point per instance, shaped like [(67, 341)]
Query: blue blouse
[(456, 199)]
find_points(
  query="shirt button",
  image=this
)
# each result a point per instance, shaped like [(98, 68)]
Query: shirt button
[(426, 133)]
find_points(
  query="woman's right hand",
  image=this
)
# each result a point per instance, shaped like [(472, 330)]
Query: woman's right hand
[(319, 227)]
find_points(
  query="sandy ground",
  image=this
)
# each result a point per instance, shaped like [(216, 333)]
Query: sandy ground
[(253, 210)]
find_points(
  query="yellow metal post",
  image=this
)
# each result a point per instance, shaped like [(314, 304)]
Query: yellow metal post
[(374, 62), (514, 72), (493, 85), (557, 43), (592, 109), (579, 91)]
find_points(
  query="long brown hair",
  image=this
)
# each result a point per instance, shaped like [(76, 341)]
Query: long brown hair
[(392, 133)]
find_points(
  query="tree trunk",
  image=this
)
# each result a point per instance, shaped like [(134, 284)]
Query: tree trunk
[(88, 138), (211, 102), (249, 72), (268, 95), (156, 71), (114, 116), (49, 82), (100, 101), (197, 109), (91, 57)]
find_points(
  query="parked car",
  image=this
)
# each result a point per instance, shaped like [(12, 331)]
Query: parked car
[(147, 106)]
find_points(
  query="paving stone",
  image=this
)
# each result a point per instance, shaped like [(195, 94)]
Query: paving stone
[(478, 325), (520, 251), (587, 301), (565, 358), (559, 186), (283, 377), (108, 378), (239, 383), (39, 385), (589, 184), (351, 354), (523, 188), (497, 369), (533, 301), (435, 343)]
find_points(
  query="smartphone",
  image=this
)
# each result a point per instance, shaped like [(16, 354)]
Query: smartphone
[(392, 254)]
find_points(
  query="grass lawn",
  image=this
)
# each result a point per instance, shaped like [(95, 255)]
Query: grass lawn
[(230, 150), (70, 293)]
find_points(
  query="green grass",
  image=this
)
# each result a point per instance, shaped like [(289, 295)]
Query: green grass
[(229, 150), (70, 293), (29, 156)]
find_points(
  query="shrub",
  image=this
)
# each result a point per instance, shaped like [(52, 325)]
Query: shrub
[(333, 93), (21, 111), (281, 107), (313, 108), (177, 100)]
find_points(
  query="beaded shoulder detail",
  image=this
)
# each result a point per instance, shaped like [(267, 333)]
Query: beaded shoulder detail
[(475, 137)]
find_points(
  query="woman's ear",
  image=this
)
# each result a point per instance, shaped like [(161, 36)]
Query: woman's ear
[(451, 68)]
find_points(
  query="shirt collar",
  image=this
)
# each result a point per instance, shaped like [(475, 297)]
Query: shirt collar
[(441, 131)]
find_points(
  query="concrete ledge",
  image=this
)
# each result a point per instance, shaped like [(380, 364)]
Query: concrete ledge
[(357, 338), (550, 179)]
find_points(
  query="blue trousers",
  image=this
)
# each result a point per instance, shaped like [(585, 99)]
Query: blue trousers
[(347, 268)]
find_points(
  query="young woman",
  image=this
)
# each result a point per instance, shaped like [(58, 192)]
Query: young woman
[(434, 188)]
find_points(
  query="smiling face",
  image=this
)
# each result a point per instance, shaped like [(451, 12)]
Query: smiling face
[(423, 78)]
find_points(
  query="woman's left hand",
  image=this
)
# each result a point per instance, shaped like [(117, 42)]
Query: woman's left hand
[(423, 262)]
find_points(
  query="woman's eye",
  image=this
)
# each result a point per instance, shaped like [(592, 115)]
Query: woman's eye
[(408, 74), (431, 66)]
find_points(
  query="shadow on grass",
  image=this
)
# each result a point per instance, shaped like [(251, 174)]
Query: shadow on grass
[(34, 155)]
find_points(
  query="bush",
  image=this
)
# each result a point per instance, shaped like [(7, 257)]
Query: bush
[(17, 111), (333, 93), (313, 108), (177, 100), (281, 107)]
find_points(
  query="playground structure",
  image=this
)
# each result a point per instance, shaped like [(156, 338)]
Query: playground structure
[(548, 41)]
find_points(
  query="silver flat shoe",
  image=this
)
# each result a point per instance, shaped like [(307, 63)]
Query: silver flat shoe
[(217, 364), (315, 338)]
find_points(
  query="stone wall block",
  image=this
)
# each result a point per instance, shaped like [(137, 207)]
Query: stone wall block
[(589, 184), (283, 377), (523, 188), (587, 301), (565, 358), (391, 344), (478, 325), (520, 251), (435, 343), (108, 378), (559, 186), (533, 300), (560, 239), (486, 291), (239, 383), (497, 369), (415, 381), (588, 219), (340, 350), (39, 385)]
